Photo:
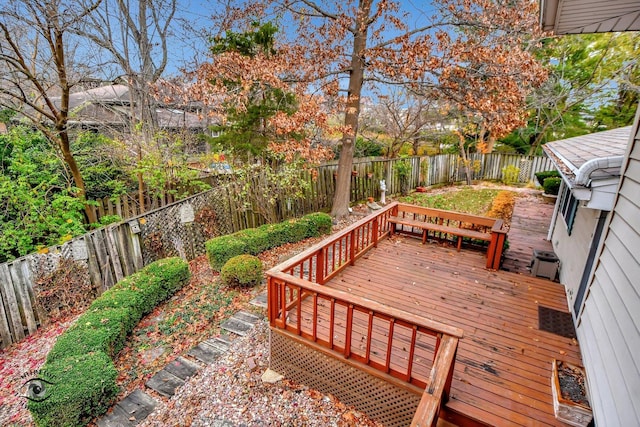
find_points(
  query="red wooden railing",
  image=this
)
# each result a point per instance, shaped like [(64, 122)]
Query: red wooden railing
[(412, 348)]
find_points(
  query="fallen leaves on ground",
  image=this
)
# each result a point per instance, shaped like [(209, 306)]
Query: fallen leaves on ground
[(192, 315), (21, 362), (231, 390)]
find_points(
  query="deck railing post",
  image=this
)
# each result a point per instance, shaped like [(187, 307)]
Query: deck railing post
[(375, 232), (272, 297), (348, 332), (494, 254), (447, 385), (320, 273)]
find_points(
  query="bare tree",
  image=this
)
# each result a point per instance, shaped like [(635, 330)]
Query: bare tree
[(136, 35), (37, 63), (403, 117)]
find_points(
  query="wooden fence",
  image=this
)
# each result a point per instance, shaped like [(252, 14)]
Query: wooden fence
[(113, 252), (181, 228), (365, 182)]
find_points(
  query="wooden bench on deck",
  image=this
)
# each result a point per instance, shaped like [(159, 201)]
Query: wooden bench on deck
[(443, 223)]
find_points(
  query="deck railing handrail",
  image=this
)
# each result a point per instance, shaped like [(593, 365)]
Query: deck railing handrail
[(439, 384), (365, 304), (299, 282)]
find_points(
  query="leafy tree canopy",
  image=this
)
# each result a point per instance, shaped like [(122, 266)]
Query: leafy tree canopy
[(594, 81), (37, 206)]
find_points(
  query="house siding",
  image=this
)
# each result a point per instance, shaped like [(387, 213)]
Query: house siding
[(609, 325), (573, 249)]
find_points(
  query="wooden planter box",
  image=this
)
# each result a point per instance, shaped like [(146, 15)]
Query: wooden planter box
[(567, 411)]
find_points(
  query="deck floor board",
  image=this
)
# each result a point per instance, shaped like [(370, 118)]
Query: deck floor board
[(503, 366)]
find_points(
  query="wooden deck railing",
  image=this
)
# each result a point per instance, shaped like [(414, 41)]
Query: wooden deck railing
[(459, 224), (412, 348)]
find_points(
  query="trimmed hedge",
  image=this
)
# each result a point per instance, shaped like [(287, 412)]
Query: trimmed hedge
[(541, 176), (80, 388), (551, 185), (242, 270), (79, 367), (253, 241)]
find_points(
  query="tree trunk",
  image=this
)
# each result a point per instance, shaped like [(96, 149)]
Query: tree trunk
[(465, 159), (343, 183), (77, 176)]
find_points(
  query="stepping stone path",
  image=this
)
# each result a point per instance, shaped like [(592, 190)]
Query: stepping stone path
[(260, 300), (208, 351), (138, 405), (129, 411)]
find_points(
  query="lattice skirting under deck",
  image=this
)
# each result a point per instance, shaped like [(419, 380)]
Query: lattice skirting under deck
[(383, 401)]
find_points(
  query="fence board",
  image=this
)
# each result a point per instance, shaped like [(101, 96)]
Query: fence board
[(98, 240), (22, 293), (113, 253), (13, 312), (94, 266), (5, 331)]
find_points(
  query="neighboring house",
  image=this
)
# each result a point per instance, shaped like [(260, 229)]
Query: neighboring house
[(590, 169), (110, 110), (607, 316)]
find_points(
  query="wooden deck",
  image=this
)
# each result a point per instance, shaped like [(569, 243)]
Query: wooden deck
[(528, 231), (503, 364), (503, 367)]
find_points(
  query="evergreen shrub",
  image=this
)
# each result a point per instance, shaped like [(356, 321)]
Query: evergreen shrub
[(79, 374), (552, 185), (253, 241), (242, 270), (541, 176)]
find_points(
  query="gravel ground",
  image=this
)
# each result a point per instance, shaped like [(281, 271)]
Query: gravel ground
[(230, 392)]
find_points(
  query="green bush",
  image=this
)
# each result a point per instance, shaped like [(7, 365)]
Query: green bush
[(243, 270), (541, 176), (119, 298), (253, 241), (317, 224), (510, 174), (97, 330), (77, 389), (552, 185), (79, 366), (223, 248)]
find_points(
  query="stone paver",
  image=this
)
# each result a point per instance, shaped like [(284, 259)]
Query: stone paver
[(247, 317), (182, 368), (260, 300), (206, 353), (129, 411), (165, 383), (237, 326)]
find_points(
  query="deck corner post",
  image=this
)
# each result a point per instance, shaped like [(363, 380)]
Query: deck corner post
[(272, 300), (447, 384)]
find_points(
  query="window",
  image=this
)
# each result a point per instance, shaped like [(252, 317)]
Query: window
[(568, 207)]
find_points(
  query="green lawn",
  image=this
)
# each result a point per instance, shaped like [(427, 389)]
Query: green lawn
[(468, 200)]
